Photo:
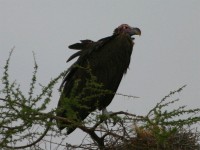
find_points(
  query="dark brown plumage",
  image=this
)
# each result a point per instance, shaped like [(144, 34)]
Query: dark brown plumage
[(108, 60)]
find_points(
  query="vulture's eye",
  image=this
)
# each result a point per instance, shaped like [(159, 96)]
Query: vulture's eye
[(125, 27)]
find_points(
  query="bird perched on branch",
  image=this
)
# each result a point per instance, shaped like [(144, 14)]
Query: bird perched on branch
[(108, 60)]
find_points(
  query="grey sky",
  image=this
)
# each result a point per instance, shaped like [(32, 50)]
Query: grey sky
[(165, 57)]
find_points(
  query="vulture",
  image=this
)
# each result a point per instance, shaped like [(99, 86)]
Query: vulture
[(108, 60)]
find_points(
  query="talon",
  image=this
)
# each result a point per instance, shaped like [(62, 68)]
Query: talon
[(105, 112)]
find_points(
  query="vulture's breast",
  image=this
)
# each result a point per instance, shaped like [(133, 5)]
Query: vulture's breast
[(111, 61)]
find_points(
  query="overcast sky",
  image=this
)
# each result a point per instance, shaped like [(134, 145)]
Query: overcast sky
[(165, 57)]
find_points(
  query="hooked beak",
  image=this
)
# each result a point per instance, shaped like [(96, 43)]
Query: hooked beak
[(135, 31)]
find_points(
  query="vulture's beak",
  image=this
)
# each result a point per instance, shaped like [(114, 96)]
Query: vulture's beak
[(135, 31)]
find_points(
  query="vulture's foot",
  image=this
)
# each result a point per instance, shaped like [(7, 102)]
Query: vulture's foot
[(108, 118), (105, 112), (107, 115)]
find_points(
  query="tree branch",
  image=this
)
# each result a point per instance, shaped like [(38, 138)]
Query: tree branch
[(33, 143)]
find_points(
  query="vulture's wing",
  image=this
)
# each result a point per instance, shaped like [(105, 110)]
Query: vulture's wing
[(81, 46), (85, 48), (88, 45)]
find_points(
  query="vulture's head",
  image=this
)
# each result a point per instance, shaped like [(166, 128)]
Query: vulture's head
[(126, 29)]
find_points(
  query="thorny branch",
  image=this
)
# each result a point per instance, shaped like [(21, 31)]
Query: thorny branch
[(33, 143), (19, 114), (89, 130)]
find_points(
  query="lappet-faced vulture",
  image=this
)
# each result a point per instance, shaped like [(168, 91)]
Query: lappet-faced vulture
[(108, 59)]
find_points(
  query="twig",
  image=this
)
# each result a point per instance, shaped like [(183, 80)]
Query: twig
[(38, 140)]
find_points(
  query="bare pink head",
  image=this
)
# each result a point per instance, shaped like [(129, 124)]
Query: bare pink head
[(126, 29)]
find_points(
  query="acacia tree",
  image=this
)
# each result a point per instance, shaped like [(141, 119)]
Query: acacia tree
[(25, 122)]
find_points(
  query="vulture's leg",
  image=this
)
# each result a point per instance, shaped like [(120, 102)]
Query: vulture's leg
[(110, 120), (107, 113)]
